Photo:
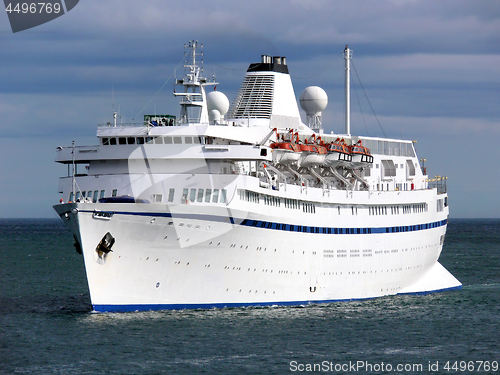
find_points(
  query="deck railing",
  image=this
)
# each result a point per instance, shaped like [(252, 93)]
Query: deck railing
[(438, 182)]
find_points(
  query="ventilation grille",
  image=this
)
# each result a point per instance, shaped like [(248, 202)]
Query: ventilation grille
[(255, 98)]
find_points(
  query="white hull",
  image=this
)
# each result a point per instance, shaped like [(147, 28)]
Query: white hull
[(190, 257)]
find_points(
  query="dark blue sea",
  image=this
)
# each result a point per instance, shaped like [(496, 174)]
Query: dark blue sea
[(46, 324)]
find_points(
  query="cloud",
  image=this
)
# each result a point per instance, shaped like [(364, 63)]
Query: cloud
[(430, 68)]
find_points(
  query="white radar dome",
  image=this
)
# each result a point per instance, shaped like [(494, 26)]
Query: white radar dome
[(214, 115), (218, 101), (313, 100)]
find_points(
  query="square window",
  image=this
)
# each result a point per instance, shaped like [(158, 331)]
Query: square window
[(167, 140), (215, 196), (158, 140), (177, 140), (196, 140), (105, 141), (131, 140), (188, 140), (112, 141), (185, 193), (192, 195), (223, 196), (200, 195), (208, 194), (149, 140), (122, 141), (140, 140)]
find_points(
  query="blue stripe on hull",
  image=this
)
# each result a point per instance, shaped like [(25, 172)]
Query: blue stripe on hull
[(145, 307), (285, 227)]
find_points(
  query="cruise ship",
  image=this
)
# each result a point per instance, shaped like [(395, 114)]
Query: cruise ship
[(246, 204)]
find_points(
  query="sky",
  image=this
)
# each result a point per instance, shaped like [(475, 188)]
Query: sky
[(431, 71)]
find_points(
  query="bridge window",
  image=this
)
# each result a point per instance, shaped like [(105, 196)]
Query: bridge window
[(131, 140), (122, 141), (177, 140), (389, 170), (208, 194), (192, 195), (411, 168), (215, 196)]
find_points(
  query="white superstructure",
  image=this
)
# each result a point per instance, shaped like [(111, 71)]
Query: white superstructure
[(247, 205)]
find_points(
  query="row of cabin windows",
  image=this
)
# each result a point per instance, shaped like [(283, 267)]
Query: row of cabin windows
[(158, 198), (92, 195), (111, 141), (395, 210), (160, 140), (204, 195), (270, 200)]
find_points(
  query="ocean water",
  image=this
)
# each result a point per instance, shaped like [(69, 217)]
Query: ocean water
[(46, 326)]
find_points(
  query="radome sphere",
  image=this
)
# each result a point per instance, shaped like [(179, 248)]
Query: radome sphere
[(217, 100), (214, 115), (313, 100)]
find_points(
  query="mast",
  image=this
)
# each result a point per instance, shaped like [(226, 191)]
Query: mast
[(193, 104), (347, 57)]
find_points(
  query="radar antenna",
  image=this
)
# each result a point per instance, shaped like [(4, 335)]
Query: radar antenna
[(194, 101)]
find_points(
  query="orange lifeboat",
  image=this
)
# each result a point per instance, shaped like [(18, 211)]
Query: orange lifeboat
[(286, 151), (360, 154), (339, 154), (314, 152)]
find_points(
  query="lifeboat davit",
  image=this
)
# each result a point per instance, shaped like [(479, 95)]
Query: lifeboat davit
[(360, 155), (313, 153), (286, 151), (339, 154)]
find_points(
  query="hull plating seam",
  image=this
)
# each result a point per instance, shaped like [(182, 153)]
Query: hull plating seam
[(287, 227)]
